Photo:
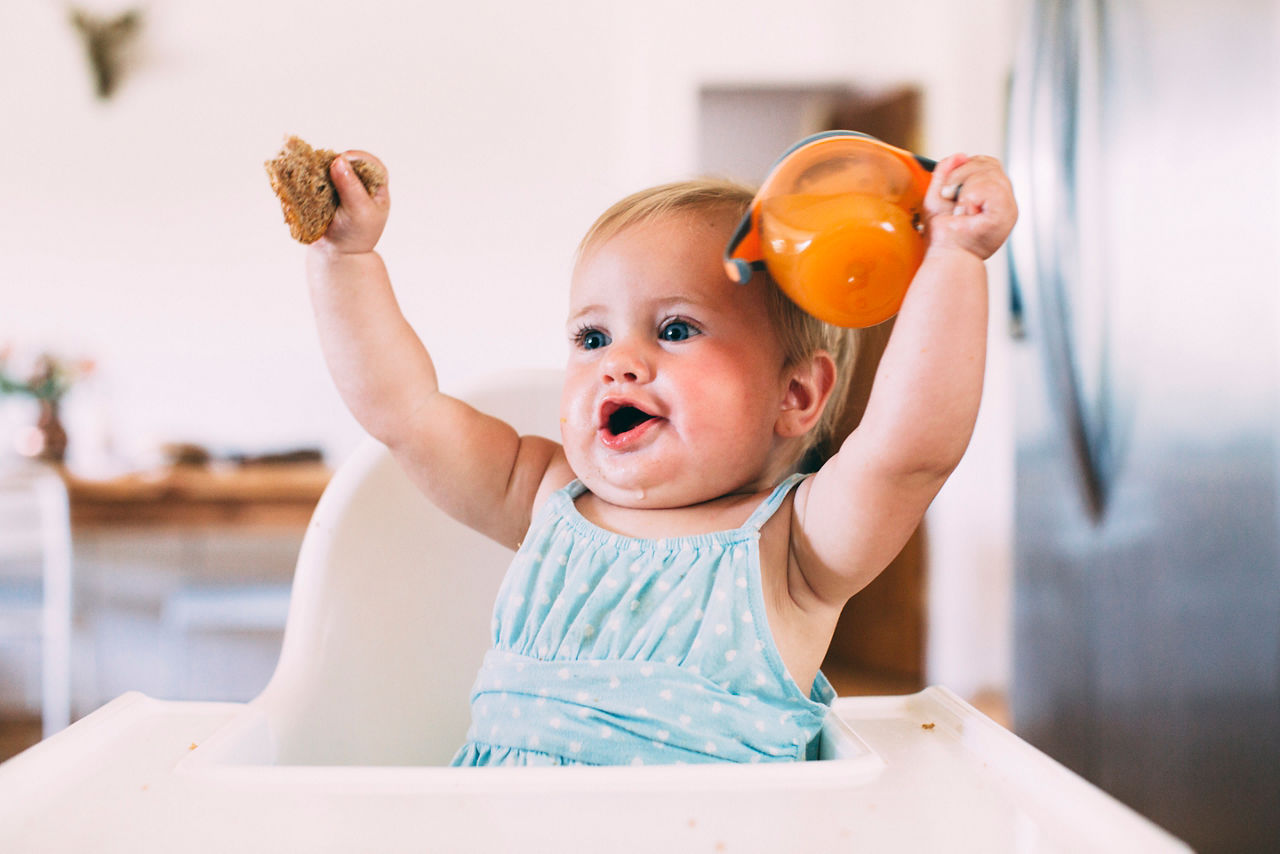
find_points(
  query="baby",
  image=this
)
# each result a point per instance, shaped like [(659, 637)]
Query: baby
[(676, 583)]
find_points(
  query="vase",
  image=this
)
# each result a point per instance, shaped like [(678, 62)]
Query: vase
[(53, 444)]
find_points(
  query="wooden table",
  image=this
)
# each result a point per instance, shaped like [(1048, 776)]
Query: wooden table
[(255, 495)]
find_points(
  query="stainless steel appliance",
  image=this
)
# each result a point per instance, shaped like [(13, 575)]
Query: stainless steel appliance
[(1143, 149)]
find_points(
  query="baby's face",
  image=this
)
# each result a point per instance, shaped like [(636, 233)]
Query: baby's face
[(675, 375)]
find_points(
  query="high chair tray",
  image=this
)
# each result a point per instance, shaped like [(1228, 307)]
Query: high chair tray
[(922, 772)]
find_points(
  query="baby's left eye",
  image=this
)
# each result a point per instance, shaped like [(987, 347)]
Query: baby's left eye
[(677, 330)]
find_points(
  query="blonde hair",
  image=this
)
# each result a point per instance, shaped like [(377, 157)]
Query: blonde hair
[(801, 335)]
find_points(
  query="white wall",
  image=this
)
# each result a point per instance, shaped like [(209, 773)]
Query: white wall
[(141, 231)]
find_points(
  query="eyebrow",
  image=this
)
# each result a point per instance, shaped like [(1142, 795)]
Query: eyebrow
[(664, 303)]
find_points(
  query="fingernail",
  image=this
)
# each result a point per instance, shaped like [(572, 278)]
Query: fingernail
[(949, 191)]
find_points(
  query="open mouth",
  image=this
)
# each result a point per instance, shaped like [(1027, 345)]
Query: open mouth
[(621, 418), (626, 419)]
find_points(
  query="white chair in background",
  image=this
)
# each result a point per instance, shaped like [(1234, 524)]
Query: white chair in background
[(36, 579)]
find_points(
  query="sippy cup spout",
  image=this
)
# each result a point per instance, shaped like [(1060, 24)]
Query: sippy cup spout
[(836, 223)]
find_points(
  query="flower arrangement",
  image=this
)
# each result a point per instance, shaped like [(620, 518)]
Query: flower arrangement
[(48, 378)]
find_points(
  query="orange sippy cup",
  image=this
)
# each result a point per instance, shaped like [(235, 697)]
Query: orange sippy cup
[(837, 224)]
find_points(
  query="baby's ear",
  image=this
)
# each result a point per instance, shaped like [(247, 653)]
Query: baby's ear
[(808, 386)]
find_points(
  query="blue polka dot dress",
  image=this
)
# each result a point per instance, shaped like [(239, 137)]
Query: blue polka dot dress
[(614, 650)]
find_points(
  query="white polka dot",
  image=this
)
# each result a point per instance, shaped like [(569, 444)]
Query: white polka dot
[(746, 617), (721, 628), (697, 613), (575, 747), (760, 680), (612, 583), (541, 701), (515, 713), (662, 735), (646, 670), (759, 646), (730, 654), (614, 682), (534, 741), (555, 723), (664, 585), (721, 596), (584, 589), (584, 713), (665, 611), (665, 694), (563, 673), (588, 630), (695, 670), (688, 593), (671, 659), (760, 726), (635, 606), (517, 601), (519, 667), (483, 710), (716, 708), (641, 712), (711, 747), (582, 696), (685, 720), (741, 582), (637, 761)]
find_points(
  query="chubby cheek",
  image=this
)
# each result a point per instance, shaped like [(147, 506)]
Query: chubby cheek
[(576, 417)]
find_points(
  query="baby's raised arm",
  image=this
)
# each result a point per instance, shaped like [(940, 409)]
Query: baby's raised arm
[(473, 466), (861, 508)]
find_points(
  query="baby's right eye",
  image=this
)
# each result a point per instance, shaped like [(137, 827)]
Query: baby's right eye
[(590, 339)]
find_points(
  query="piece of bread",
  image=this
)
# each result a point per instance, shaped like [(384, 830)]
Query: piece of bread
[(300, 177)]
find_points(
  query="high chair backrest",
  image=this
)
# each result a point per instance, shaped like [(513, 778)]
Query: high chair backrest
[(391, 608)]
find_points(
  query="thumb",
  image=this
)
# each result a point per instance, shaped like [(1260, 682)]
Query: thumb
[(943, 188)]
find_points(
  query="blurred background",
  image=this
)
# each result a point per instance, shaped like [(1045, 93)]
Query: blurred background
[(152, 306)]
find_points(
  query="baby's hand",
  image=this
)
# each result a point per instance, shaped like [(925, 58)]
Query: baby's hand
[(360, 218), (969, 205)]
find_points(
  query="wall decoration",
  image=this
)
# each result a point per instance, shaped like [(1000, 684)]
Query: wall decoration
[(106, 41)]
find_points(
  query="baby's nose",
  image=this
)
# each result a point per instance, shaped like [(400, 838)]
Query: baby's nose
[(626, 364)]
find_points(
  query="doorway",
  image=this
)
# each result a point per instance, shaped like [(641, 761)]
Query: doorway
[(879, 643)]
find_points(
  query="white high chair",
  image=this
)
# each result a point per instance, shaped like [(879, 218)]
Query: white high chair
[(343, 750)]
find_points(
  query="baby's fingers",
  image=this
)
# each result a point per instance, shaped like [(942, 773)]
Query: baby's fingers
[(947, 179), (970, 205), (352, 192)]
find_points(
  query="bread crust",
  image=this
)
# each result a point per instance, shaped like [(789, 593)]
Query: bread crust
[(300, 178)]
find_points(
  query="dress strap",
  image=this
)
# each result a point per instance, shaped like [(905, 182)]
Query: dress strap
[(770, 505)]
